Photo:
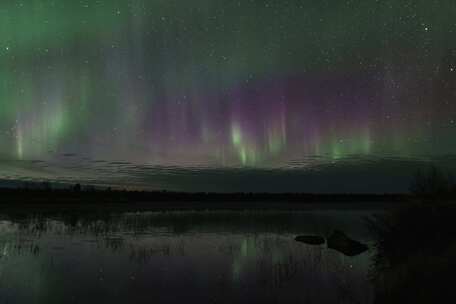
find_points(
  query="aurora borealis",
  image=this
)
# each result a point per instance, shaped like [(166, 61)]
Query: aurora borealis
[(225, 84)]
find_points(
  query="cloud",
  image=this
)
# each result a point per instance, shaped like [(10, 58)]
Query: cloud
[(314, 174)]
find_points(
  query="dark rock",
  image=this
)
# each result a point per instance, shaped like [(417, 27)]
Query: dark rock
[(310, 239), (341, 242)]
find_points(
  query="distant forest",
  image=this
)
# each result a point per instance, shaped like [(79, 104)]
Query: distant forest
[(431, 184)]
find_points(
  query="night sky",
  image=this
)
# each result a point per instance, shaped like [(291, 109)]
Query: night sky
[(227, 95)]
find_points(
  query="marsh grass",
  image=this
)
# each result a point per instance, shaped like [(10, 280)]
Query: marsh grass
[(415, 250)]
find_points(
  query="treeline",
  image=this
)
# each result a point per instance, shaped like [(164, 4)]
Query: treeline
[(83, 194), (433, 183)]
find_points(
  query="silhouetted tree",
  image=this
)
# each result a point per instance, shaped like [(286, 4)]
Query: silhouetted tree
[(414, 257), (46, 186), (433, 183), (77, 188)]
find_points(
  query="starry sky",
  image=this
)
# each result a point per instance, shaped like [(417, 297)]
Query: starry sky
[(223, 85)]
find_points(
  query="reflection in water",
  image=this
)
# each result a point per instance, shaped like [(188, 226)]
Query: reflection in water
[(174, 257)]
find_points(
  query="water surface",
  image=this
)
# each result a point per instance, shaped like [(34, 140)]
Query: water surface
[(181, 256)]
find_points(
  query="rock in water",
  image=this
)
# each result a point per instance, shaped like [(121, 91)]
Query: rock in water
[(310, 239), (341, 242)]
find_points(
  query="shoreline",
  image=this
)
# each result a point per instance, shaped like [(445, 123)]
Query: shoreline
[(42, 202)]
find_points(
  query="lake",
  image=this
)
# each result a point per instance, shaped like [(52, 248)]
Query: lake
[(182, 256)]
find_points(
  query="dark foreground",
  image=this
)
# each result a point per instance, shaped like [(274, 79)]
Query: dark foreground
[(181, 257), (324, 253)]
